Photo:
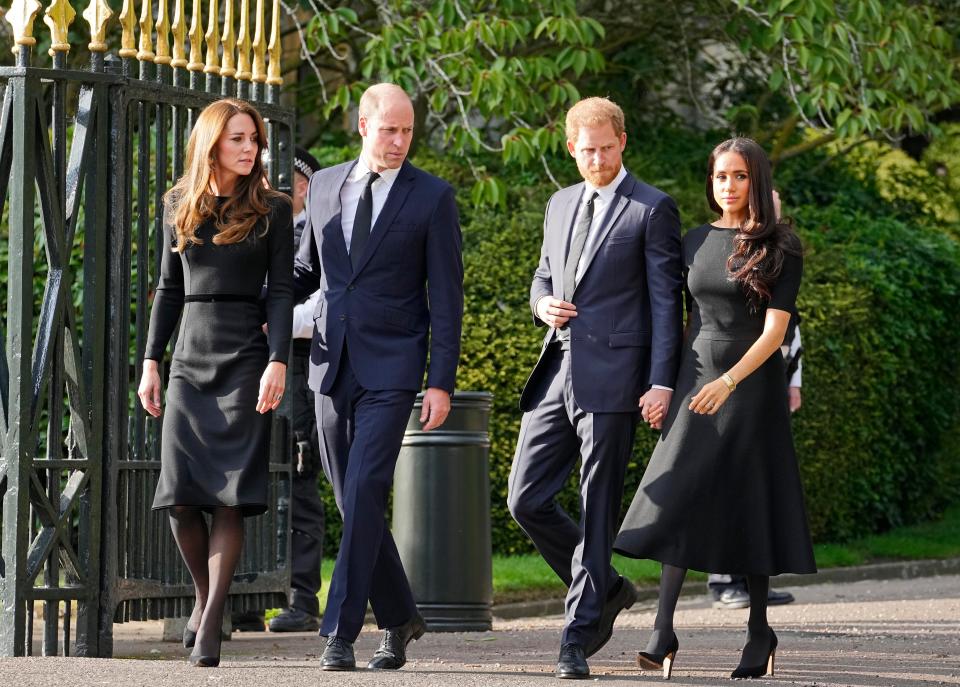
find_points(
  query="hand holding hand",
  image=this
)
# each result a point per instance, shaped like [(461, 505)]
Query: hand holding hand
[(653, 406), (272, 384), (555, 312), (708, 400), (149, 390), (436, 407)]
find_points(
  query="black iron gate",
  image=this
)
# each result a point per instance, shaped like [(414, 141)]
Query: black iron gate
[(85, 157)]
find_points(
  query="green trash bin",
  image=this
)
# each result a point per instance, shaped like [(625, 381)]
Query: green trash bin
[(441, 515)]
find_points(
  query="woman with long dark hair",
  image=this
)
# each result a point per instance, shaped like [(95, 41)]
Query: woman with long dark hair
[(722, 490), (225, 232)]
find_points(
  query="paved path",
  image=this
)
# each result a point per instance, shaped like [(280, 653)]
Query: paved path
[(862, 634)]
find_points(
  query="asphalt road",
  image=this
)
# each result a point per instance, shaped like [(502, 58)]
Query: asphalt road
[(861, 634)]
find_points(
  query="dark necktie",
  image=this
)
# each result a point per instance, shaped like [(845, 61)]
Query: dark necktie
[(362, 220), (577, 243), (298, 233)]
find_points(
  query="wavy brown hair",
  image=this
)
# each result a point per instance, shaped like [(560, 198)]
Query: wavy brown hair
[(763, 238), (190, 201)]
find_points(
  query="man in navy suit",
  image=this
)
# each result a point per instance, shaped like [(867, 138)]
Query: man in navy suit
[(608, 287), (383, 244)]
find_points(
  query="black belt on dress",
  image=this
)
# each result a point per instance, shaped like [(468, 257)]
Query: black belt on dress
[(220, 298)]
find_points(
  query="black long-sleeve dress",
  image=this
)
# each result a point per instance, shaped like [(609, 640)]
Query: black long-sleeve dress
[(215, 445), (722, 492)]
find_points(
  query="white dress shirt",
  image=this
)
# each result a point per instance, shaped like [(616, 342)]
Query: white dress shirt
[(350, 196), (303, 313)]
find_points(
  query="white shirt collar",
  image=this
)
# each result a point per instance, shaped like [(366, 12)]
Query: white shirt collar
[(360, 170), (606, 192)]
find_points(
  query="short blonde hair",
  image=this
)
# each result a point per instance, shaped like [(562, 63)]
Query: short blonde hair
[(594, 112)]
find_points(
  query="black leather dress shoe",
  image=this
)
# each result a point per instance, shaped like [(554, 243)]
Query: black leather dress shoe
[(777, 598), (572, 664), (247, 621), (338, 655), (622, 596), (294, 620), (392, 653)]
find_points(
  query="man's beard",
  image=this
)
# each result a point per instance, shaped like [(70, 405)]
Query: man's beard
[(599, 178)]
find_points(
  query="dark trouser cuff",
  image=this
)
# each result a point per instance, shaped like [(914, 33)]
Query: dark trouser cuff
[(305, 601)]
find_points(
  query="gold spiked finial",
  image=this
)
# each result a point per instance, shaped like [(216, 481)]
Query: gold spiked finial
[(213, 40), (196, 40), (21, 16), (128, 41), (259, 47), (97, 15), (58, 17), (229, 41), (179, 36), (145, 54), (243, 42), (163, 29), (274, 73)]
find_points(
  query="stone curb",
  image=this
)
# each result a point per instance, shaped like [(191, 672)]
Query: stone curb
[(904, 570)]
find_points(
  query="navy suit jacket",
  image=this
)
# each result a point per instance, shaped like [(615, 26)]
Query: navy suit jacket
[(627, 332), (406, 294)]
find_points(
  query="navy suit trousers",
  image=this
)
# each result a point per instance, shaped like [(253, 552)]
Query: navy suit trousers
[(552, 436), (360, 436)]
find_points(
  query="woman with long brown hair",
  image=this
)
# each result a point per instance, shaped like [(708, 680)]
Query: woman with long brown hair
[(722, 490), (225, 232)]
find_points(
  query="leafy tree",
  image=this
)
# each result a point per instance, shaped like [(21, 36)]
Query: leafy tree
[(851, 70), (486, 76), (495, 76)]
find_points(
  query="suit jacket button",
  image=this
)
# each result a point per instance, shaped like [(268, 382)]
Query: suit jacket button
[(351, 287), (343, 318)]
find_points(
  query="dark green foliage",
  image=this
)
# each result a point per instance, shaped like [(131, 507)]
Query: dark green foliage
[(877, 434)]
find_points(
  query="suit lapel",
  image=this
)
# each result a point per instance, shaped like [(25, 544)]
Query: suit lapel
[(333, 231), (561, 235), (402, 186), (614, 213)]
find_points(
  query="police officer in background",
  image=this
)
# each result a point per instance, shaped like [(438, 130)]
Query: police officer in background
[(303, 613)]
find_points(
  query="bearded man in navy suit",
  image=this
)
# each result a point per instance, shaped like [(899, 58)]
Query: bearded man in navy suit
[(383, 244), (608, 288)]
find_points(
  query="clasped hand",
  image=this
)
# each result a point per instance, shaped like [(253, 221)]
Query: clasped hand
[(653, 406)]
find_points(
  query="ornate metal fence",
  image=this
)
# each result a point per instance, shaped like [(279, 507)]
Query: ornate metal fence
[(85, 157)]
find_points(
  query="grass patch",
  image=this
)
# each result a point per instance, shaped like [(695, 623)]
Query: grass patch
[(522, 578), (933, 539)]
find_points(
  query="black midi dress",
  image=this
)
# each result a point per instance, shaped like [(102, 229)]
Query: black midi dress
[(214, 448), (722, 493)]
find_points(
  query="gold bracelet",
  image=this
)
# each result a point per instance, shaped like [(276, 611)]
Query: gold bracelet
[(728, 380)]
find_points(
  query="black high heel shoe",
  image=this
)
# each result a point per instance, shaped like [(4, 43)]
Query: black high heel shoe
[(207, 661), (765, 668), (651, 661), (189, 637)]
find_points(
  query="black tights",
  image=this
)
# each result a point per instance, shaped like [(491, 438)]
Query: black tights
[(758, 635), (211, 557)]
